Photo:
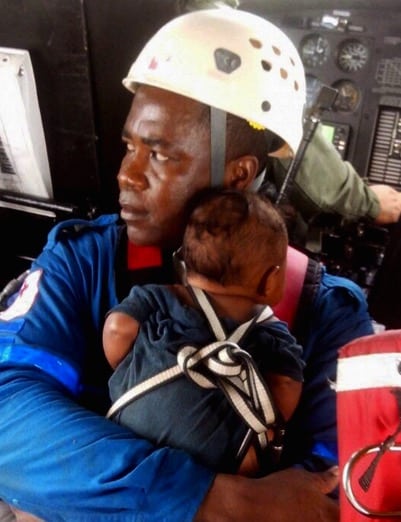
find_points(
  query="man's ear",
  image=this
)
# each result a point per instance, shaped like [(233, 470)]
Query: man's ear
[(241, 172)]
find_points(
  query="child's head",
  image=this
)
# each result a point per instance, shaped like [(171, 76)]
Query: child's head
[(237, 239)]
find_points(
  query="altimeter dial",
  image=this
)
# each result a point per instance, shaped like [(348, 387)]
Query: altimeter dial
[(352, 56), (314, 50)]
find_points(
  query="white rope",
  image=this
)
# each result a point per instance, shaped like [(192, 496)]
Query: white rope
[(221, 364), (145, 386)]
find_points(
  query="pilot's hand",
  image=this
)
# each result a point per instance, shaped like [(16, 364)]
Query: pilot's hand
[(292, 495), (390, 204)]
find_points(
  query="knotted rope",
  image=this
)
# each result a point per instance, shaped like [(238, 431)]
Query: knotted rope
[(221, 364)]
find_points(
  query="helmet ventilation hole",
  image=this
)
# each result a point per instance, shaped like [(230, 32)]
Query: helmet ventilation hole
[(266, 65), (276, 50), (257, 44), (266, 106), (283, 74)]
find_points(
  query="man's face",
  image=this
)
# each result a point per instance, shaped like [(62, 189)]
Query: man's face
[(167, 161)]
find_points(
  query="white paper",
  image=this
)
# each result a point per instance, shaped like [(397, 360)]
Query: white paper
[(24, 166)]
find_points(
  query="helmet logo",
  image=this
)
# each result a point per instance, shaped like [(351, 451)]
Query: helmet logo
[(153, 63), (226, 61)]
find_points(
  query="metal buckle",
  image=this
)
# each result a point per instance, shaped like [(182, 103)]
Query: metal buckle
[(346, 481)]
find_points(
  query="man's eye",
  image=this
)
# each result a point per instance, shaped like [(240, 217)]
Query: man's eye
[(158, 156), (130, 147)]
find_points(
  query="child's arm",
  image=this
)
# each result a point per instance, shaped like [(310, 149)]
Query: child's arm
[(286, 393), (119, 334)]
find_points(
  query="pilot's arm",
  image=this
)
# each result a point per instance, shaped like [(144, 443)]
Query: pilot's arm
[(325, 183)]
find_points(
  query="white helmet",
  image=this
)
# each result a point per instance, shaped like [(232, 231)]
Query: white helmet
[(232, 60)]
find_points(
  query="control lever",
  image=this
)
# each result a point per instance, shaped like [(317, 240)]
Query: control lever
[(324, 102)]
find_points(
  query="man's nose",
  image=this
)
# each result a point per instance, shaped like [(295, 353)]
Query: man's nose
[(132, 173)]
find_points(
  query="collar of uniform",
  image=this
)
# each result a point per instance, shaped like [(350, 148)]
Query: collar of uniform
[(143, 256)]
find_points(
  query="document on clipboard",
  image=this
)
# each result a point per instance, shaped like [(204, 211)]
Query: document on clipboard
[(24, 166)]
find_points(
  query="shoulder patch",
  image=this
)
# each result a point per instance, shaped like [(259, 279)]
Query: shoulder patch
[(25, 298)]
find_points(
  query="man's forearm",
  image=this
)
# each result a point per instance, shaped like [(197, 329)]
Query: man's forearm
[(81, 465), (292, 495)]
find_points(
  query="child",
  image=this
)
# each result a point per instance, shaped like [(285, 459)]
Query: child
[(234, 254)]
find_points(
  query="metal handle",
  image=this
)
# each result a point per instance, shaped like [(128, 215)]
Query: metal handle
[(346, 482)]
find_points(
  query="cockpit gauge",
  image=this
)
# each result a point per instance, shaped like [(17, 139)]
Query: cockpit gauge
[(352, 56), (314, 50), (348, 97)]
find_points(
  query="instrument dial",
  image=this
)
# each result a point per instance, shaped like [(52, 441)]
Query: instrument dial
[(352, 56), (348, 97), (314, 50)]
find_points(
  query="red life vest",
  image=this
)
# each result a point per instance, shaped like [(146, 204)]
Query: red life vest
[(369, 415)]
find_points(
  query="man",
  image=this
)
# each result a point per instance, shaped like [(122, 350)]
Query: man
[(327, 184), (201, 74)]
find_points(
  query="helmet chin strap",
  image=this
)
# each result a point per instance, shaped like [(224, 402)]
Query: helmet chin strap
[(218, 122), (218, 132)]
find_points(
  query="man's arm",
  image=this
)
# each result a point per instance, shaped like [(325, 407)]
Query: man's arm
[(63, 462), (60, 460), (389, 204), (104, 471), (292, 495), (327, 184)]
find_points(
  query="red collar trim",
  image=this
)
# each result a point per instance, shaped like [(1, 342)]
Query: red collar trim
[(143, 256)]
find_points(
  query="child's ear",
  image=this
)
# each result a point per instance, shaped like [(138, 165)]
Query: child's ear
[(266, 282)]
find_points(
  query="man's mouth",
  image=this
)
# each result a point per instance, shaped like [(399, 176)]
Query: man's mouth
[(130, 213)]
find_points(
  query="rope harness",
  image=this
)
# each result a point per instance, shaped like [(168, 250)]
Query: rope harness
[(223, 364)]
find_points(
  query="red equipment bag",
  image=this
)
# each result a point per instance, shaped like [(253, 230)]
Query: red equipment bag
[(369, 428)]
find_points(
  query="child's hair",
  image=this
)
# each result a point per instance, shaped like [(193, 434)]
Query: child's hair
[(231, 236)]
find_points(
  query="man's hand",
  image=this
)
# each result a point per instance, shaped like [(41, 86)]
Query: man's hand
[(292, 495), (390, 204)]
